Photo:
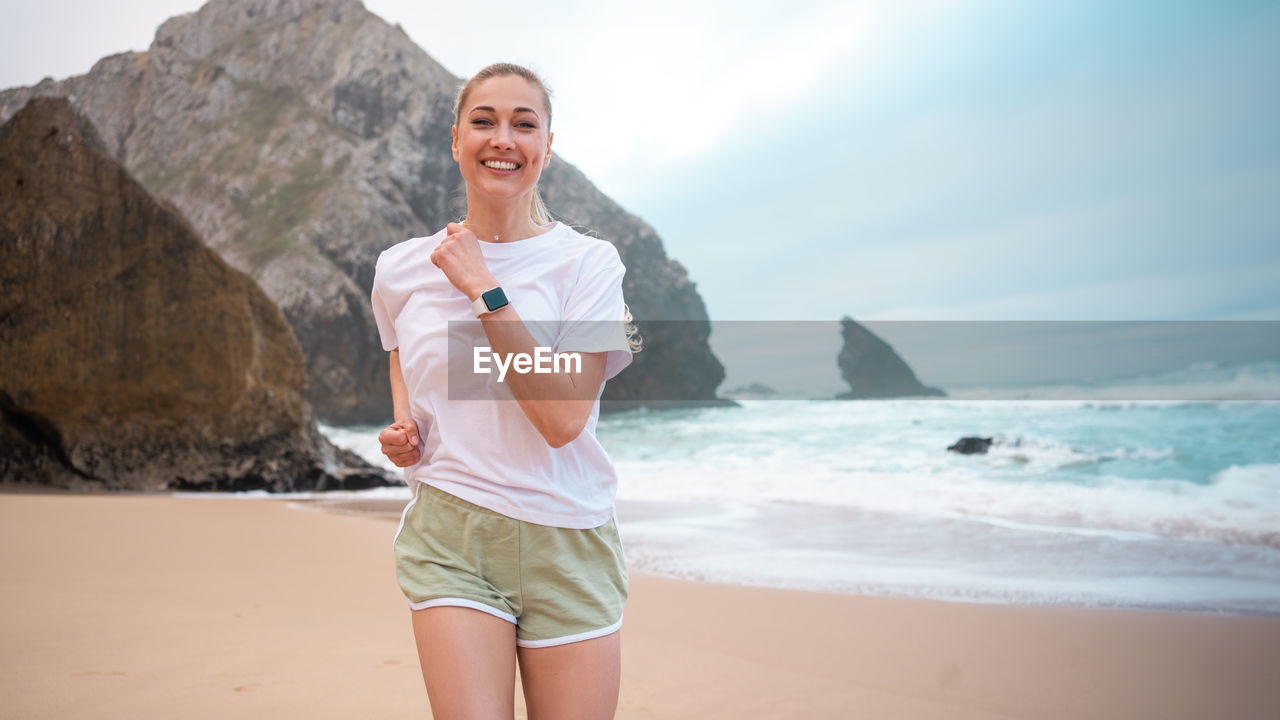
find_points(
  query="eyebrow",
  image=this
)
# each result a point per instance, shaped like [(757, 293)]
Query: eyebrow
[(490, 109)]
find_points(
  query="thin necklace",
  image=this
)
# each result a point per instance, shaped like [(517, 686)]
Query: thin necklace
[(496, 238), (467, 225)]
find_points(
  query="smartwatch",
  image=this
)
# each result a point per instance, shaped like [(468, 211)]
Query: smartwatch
[(489, 301)]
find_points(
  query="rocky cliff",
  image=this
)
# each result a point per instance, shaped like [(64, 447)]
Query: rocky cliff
[(303, 137), (134, 356), (873, 369)]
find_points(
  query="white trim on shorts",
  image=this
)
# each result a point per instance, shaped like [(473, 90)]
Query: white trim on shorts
[(552, 642), (588, 635), (404, 514), (461, 602)]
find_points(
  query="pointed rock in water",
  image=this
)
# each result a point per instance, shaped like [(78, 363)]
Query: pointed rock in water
[(971, 445), (134, 356), (872, 368), (303, 137)]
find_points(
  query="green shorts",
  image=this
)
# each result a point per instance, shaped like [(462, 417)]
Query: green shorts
[(557, 585)]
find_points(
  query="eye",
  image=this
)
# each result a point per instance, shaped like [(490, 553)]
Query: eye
[(481, 121), (526, 124)]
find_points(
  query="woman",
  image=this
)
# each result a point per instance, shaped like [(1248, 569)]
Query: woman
[(509, 550)]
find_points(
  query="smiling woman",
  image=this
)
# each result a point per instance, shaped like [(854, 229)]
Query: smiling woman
[(509, 552)]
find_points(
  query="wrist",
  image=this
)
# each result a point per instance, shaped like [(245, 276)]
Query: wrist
[(479, 288)]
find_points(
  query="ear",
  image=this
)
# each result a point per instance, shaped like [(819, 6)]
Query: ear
[(454, 129), (547, 160)]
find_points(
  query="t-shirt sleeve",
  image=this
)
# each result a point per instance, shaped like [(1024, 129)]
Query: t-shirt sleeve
[(381, 315), (594, 311)]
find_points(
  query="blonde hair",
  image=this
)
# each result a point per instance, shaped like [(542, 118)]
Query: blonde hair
[(634, 341), (538, 212)]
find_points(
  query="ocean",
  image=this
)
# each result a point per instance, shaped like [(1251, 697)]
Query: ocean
[(1086, 502)]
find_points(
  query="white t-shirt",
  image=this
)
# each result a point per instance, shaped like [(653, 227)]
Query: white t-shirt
[(567, 288)]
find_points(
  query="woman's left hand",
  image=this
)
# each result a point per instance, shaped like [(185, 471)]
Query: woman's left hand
[(458, 255)]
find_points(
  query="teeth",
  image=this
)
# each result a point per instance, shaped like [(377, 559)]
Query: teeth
[(500, 165)]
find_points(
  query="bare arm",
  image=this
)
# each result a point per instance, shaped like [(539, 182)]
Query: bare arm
[(558, 403), (400, 439), (399, 392)]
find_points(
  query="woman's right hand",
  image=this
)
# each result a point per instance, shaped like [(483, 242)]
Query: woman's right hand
[(400, 442)]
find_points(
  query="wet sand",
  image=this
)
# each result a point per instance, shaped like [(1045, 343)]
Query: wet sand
[(146, 606)]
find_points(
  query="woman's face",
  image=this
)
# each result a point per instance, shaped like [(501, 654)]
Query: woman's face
[(502, 141)]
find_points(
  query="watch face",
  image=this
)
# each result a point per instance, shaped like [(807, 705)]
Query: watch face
[(494, 299)]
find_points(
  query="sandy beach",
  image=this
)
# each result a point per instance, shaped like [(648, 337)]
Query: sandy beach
[(142, 606)]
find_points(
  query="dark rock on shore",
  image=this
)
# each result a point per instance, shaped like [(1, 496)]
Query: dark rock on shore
[(134, 356), (303, 137), (872, 368), (971, 445)]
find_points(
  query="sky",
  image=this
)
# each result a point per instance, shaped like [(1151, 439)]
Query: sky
[(907, 160)]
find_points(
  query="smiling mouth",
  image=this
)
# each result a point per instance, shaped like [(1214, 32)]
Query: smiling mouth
[(501, 165)]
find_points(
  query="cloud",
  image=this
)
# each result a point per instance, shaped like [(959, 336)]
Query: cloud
[(1099, 186), (642, 91), (61, 38)]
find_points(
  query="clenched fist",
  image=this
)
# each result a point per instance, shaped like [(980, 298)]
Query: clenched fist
[(400, 442), (459, 256)]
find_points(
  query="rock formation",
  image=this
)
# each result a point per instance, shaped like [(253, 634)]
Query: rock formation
[(755, 390), (303, 137), (134, 356), (873, 369), (971, 445)]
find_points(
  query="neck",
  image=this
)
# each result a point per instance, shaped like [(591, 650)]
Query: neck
[(500, 222)]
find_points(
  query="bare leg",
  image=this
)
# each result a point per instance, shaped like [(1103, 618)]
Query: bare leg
[(468, 663), (578, 681)]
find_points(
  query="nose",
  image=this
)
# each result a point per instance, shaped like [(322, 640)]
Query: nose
[(501, 137)]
